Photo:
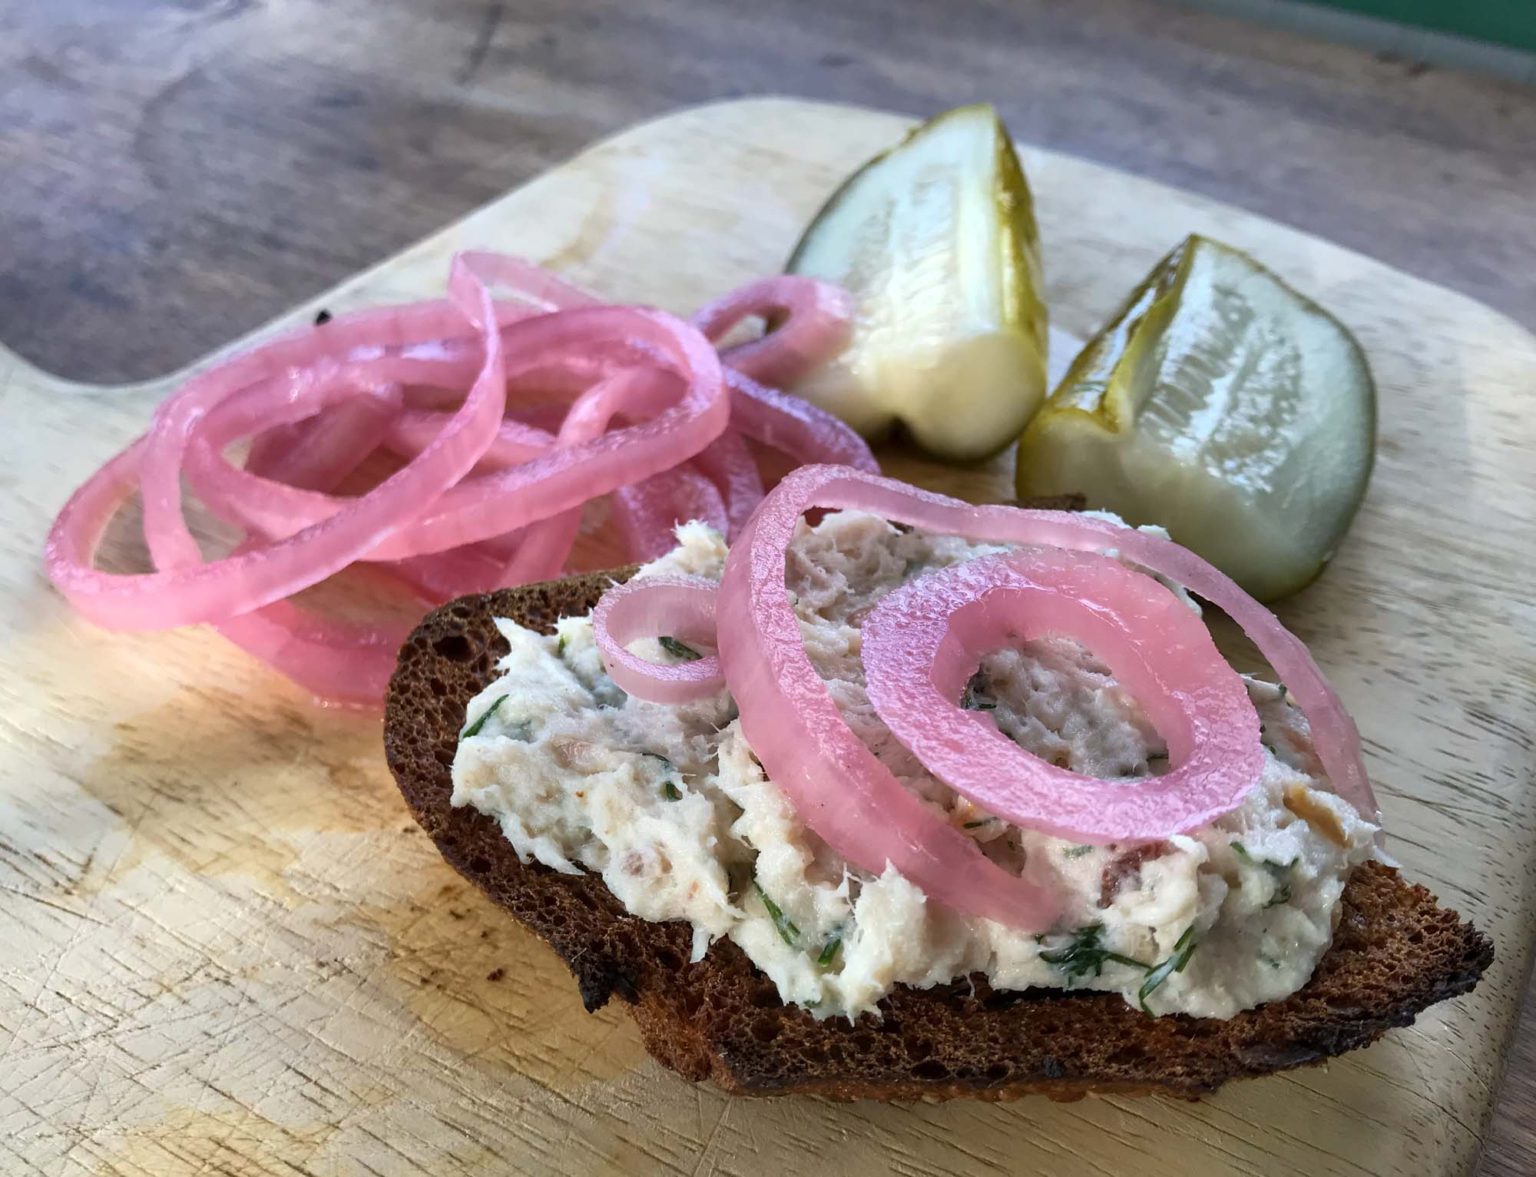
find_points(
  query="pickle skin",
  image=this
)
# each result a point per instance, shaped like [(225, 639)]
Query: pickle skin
[(1085, 439)]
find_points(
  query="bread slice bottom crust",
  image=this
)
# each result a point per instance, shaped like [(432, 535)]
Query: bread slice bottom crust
[(1395, 952)]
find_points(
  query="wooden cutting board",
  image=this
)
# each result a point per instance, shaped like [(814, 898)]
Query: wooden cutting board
[(226, 947)]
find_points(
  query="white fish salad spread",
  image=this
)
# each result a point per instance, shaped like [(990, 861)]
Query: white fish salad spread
[(669, 805)]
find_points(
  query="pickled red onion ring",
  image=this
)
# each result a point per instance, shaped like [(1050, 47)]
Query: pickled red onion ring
[(815, 331), (340, 662), (185, 590), (331, 448), (553, 481), (811, 323), (564, 477), (334, 660), (546, 544), (923, 641), (728, 463), (412, 429), (344, 663), (543, 551), (810, 320), (478, 568), (653, 606), (649, 512), (484, 498), (794, 426), (838, 786)]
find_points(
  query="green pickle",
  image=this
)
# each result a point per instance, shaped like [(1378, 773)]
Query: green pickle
[(936, 238), (1223, 405)]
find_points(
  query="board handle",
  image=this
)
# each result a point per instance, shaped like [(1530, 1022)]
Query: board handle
[(14, 369), (20, 374)]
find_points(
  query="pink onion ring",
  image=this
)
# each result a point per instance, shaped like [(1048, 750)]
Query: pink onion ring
[(811, 325), (839, 788), (476, 568), (551, 482), (794, 426), (187, 590), (656, 606), (649, 512), (343, 664), (923, 641), (728, 463), (412, 430), (813, 321), (604, 400)]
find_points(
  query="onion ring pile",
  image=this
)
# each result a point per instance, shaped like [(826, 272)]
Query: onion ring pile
[(509, 414), (921, 643)]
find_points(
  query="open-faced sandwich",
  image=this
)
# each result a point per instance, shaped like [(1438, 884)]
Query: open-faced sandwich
[(902, 797)]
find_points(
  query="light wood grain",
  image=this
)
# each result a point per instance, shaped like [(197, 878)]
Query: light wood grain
[(227, 948)]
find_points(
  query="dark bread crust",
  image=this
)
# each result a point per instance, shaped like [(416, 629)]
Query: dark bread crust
[(1395, 952)]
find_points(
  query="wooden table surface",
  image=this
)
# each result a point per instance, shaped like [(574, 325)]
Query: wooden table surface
[(178, 171)]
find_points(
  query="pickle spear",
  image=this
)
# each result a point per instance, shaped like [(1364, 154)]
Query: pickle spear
[(1224, 405), (936, 239)]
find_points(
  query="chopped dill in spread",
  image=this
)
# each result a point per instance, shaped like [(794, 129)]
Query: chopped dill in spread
[(1280, 872), (1085, 954), (787, 930), (474, 728), (679, 651), (829, 949), (975, 697), (1183, 949)]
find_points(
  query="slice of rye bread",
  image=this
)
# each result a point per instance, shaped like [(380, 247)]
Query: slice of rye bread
[(1395, 952)]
